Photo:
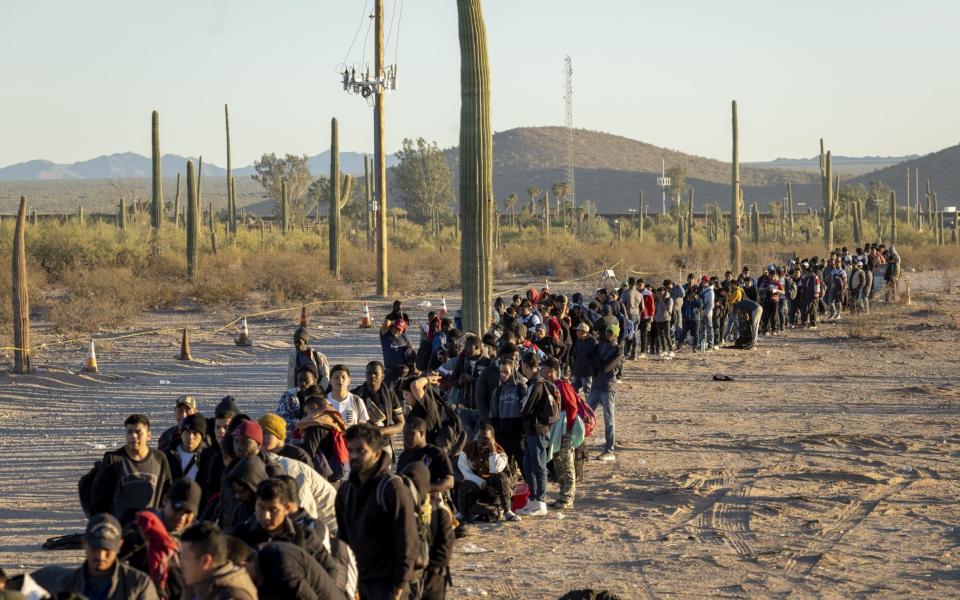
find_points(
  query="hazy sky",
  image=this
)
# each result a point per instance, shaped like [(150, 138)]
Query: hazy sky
[(871, 76)]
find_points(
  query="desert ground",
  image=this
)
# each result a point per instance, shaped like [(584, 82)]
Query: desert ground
[(828, 467)]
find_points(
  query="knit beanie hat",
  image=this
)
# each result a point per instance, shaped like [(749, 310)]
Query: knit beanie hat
[(250, 429), (274, 425)]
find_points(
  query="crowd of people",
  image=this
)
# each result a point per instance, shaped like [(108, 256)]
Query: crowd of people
[(320, 499)]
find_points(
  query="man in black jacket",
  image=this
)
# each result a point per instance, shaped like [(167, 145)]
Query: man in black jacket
[(581, 359), (186, 406), (282, 571), (134, 477), (488, 380), (210, 464), (376, 516), (607, 360), (271, 522), (184, 456)]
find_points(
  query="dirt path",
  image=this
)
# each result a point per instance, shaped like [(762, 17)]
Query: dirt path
[(827, 468)]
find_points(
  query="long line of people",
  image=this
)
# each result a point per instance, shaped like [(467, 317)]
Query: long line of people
[(318, 499)]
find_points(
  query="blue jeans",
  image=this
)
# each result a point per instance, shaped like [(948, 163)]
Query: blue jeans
[(582, 383), (598, 397), (706, 330), (535, 465), (470, 419)]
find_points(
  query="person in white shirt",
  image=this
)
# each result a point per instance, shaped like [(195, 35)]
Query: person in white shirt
[(351, 407)]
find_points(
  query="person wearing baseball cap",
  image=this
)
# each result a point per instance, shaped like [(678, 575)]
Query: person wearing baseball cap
[(398, 352), (102, 575), (185, 406)]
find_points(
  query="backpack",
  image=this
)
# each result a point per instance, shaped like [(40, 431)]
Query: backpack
[(550, 411), (450, 435), (85, 488), (586, 415), (422, 559), (346, 575)]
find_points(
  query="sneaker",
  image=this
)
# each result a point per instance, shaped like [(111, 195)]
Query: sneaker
[(511, 516), (462, 531), (561, 504), (671, 354), (606, 456)]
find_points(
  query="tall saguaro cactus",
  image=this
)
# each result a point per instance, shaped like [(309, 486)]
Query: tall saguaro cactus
[(176, 205), (790, 222), (546, 214), (476, 168), (755, 223), (156, 205), (830, 205), (231, 209), (681, 231), (735, 207), (689, 222), (122, 214), (334, 197), (193, 221), (21, 295)]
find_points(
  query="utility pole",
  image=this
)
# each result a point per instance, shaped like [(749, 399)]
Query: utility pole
[(379, 160), (568, 123)]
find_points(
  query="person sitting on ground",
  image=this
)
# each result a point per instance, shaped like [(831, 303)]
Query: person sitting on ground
[(416, 449), (132, 478), (184, 457), (377, 518), (184, 407), (207, 571), (102, 576), (398, 353), (304, 355), (351, 407), (439, 525), (487, 477), (322, 430)]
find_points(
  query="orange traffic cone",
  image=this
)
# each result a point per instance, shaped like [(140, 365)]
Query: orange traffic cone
[(91, 366), (244, 338), (443, 308), (303, 317), (365, 322), (185, 346)]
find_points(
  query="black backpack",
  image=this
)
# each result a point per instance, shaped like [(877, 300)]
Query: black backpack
[(86, 488), (422, 560), (449, 435)]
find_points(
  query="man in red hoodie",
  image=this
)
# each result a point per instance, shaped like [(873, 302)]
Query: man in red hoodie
[(563, 459)]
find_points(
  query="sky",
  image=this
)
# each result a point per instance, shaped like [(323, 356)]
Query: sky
[(873, 77)]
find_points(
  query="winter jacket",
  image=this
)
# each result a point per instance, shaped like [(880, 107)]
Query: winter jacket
[(126, 583), (471, 368), (227, 582), (706, 294), (539, 393), (748, 306), (124, 486), (507, 399), (606, 361), (484, 388), (664, 306), (692, 306), (176, 466), (308, 540), (288, 572), (631, 300), (383, 536), (249, 472), (581, 357), (649, 304)]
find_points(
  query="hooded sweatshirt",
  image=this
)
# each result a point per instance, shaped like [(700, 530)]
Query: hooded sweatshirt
[(226, 582), (248, 472), (383, 538), (287, 571)]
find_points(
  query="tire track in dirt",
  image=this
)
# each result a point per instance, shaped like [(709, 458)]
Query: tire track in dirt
[(847, 517)]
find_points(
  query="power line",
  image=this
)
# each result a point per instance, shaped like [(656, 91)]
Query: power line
[(357, 34)]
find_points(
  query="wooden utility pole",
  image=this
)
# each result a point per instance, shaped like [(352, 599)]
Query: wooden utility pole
[(379, 160)]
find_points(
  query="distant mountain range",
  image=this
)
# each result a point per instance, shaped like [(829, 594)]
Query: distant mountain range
[(850, 165), (610, 170), (130, 165)]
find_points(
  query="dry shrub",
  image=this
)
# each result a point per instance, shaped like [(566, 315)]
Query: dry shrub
[(99, 299), (222, 281), (865, 328), (292, 277)]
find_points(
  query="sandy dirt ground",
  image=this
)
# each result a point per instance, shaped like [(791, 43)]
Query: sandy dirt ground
[(828, 468)]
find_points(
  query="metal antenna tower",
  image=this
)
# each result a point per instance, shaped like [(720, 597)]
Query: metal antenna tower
[(568, 123)]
